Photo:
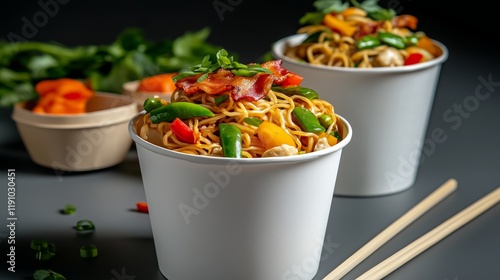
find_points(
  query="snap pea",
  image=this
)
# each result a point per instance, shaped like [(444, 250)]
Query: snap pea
[(411, 40), (368, 42), (307, 120), (325, 120), (230, 138), (152, 103), (296, 90), (392, 40), (181, 110)]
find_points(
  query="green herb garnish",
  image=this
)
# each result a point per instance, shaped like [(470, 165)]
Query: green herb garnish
[(48, 274), (223, 61), (323, 7), (220, 99), (130, 57), (88, 251), (85, 225), (69, 209), (44, 250)]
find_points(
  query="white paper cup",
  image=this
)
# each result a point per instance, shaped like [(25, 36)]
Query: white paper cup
[(389, 109), (218, 218)]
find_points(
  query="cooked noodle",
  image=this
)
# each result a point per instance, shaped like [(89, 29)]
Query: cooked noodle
[(330, 48), (276, 107)]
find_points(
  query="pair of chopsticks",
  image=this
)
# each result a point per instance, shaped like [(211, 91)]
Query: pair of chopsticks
[(404, 255)]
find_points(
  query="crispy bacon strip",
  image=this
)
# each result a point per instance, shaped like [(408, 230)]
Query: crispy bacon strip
[(251, 88), (280, 74), (240, 87), (405, 21), (215, 83)]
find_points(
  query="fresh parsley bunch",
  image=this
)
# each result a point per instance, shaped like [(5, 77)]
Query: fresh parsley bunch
[(106, 67)]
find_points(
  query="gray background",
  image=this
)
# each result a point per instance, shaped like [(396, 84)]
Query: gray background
[(470, 154)]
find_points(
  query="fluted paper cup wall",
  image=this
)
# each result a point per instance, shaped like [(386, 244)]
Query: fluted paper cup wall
[(388, 108), (218, 218)]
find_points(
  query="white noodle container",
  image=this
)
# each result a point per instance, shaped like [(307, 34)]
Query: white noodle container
[(389, 109), (218, 218)]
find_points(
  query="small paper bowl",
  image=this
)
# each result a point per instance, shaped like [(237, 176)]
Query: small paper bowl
[(84, 142), (130, 90)]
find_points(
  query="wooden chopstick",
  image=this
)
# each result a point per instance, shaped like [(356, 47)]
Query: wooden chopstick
[(418, 210), (432, 237)]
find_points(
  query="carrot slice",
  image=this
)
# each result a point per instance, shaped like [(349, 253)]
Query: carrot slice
[(158, 83)]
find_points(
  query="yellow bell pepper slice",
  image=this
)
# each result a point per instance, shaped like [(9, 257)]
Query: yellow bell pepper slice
[(272, 135), (339, 25)]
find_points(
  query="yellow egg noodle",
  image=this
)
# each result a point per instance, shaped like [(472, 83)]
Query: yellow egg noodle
[(276, 107), (335, 44)]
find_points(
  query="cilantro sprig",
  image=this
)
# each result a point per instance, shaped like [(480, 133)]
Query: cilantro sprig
[(323, 7), (224, 61)]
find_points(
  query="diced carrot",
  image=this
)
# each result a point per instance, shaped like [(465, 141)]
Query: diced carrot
[(427, 44), (158, 83), (62, 96)]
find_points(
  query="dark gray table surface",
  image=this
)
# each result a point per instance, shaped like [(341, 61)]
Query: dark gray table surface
[(470, 154)]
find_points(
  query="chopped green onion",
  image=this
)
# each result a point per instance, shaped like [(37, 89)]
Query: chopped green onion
[(69, 209), (221, 98), (48, 274), (44, 255), (39, 244), (253, 121), (224, 61), (88, 251), (85, 225), (44, 250)]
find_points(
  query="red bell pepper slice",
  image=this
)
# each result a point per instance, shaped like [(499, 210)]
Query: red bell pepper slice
[(292, 79), (142, 206), (183, 132), (413, 58)]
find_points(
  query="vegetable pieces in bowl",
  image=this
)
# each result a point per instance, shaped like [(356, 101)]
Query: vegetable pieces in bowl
[(362, 35), (229, 109), (130, 57), (62, 96)]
